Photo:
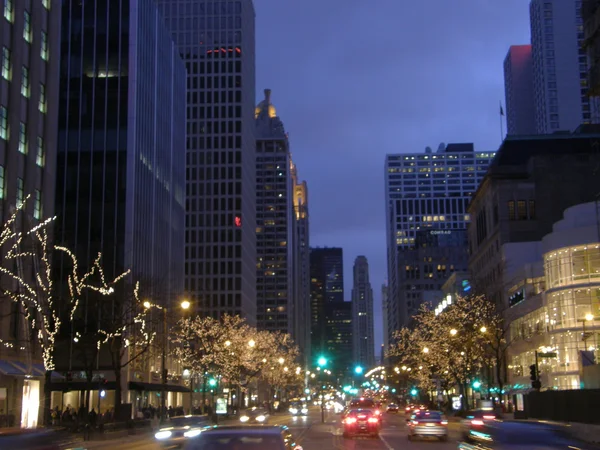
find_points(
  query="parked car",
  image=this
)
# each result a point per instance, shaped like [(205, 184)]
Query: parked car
[(427, 424), (244, 438), (255, 415), (361, 421)]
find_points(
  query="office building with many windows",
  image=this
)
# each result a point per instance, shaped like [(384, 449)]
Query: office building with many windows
[(363, 344), (426, 192), (282, 296), (216, 40), (518, 90), (30, 46), (120, 170)]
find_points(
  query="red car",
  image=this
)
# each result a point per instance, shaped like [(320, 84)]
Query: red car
[(361, 421)]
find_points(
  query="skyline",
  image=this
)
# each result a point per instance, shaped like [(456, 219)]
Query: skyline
[(324, 96)]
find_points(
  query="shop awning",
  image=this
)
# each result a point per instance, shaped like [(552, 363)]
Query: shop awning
[(156, 387), (8, 368), (82, 386), (20, 368)]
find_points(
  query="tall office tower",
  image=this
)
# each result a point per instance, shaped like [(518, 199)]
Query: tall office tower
[(326, 286), (426, 191), (121, 153), (338, 338), (216, 41), (30, 44), (560, 66), (281, 298), (518, 90), (362, 314), (591, 44), (384, 315), (302, 265)]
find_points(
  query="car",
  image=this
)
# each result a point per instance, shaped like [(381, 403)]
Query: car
[(298, 409), (427, 424), (475, 420), (362, 402), (180, 428), (246, 437), (361, 421), (392, 408), (255, 415)]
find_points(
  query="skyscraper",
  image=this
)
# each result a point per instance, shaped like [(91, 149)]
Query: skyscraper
[(30, 46), (384, 315), (426, 191), (518, 90), (216, 40), (560, 66), (281, 296), (362, 315), (121, 150)]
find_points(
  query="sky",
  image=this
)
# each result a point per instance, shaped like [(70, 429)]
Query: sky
[(354, 80)]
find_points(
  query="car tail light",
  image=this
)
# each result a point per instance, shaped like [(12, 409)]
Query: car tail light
[(362, 417), (489, 417), (373, 420), (377, 412), (351, 420), (476, 422)]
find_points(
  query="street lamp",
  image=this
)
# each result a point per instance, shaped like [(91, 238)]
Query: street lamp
[(251, 343), (453, 332), (426, 350), (185, 304), (483, 329)]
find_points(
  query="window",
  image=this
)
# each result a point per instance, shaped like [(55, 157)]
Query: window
[(6, 72), (521, 210), (42, 105), (511, 210), (2, 181), (25, 82), (39, 159), (44, 46), (4, 131), (20, 192), (9, 10), (532, 209), (27, 27), (46, 4), (23, 138), (37, 206)]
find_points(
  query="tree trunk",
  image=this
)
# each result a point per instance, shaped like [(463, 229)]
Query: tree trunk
[(463, 392), (48, 398)]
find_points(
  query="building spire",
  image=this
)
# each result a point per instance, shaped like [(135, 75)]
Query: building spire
[(267, 96)]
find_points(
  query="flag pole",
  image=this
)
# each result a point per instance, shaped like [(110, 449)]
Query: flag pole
[(501, 123)]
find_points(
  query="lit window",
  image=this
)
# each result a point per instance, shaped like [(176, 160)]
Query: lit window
[(46, 4), (37, 206), (6, 72), (27, 27), (4, 131), (9, 10), (39, 159), (20, 192), (2, 181), (42, 105), (25, 82), (44, 46), (23, 138)]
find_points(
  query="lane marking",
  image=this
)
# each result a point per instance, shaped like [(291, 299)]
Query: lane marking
[(389, 447)]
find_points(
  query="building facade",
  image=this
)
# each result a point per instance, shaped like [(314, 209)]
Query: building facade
[(560, 66), (29, 85), (216, 39), (362, 315), (591, 31), (281, 292), (338, 338), (384, 315), (121, 166), (426, 192), (555, 304), (518, 91)]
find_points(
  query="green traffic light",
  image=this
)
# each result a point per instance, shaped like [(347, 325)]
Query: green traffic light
[(413, 392), (358, 370), (212, 382), (476, 384), (322, 361)]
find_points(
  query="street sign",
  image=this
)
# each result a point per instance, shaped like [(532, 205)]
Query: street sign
[(547, 355)]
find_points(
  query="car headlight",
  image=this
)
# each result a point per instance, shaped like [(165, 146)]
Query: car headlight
[(260, 418), (304, 410), (293, 410), (165, 434), (244, 419), (192, 433)]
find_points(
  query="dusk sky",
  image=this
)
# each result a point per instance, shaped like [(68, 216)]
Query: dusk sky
[(353, 80)]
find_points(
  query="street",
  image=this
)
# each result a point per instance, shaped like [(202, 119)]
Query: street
[(311, 434)]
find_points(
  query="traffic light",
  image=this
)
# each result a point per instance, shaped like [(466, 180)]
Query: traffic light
[(358, 370), (414, 392), (476, 384), (322, 361), (212, 382), (533, 375)]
